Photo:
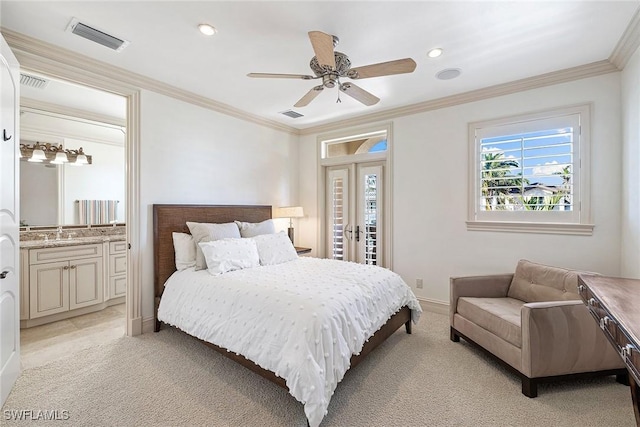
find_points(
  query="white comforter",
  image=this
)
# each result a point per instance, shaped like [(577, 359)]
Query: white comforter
[(303, 319)]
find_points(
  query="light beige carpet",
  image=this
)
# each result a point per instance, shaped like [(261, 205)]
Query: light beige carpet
[(170, 379)]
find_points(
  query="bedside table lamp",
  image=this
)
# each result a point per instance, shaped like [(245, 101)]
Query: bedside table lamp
[(289, 212)]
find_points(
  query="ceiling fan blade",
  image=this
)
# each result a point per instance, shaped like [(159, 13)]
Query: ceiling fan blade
[(280, 76), (323, 47), (309, 96), (400, 66), (359, 94)]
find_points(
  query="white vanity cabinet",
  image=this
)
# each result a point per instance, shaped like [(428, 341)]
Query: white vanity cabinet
[(117, 269), (65, 278), (61, 280)]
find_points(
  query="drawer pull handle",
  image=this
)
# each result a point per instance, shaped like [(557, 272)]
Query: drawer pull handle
[(581, 288), (73, 267), (592, 301), (604, 322), (66, 267), (4, 274), (626, 350)]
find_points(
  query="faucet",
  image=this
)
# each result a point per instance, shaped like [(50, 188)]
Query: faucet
[(58, 232)]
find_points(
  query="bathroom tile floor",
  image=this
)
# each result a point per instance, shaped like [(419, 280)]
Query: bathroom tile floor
[(42, 344)]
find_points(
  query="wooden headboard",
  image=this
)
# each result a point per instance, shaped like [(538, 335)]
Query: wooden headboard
[(173, 218)]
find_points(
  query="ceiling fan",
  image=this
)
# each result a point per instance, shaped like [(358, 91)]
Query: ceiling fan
[(331, 66)]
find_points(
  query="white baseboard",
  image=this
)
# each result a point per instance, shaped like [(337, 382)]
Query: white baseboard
[(434, 306), (148, 324)]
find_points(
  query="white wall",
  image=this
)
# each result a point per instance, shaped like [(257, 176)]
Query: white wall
[(631, 168), (194, 155), (430, 152)]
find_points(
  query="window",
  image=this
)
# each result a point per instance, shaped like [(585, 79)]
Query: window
[(529, 173)]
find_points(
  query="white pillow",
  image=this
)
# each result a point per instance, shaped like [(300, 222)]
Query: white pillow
[(251, 229), (206, 232), (230, 254), (185, 249), (275, 248)]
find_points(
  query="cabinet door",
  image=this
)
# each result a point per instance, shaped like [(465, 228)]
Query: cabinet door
[(118, 286), (48, 289), (86, 283), (117, 264)]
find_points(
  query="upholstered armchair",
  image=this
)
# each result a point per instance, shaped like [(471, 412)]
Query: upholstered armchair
[(534, 322)]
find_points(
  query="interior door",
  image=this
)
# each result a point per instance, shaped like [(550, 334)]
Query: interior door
[(9, 223), (355, 206)]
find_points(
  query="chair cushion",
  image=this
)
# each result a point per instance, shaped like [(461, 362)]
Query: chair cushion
[(500, 316), (539, 283)]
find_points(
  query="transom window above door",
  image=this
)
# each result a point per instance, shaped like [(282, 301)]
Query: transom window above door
[(356, 145)]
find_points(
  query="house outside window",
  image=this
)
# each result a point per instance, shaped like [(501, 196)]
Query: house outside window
[(530, 173)]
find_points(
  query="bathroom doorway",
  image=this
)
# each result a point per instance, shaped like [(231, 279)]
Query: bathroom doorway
[(74, 211)]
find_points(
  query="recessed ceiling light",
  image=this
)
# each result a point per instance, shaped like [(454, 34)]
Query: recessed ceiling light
[(207, 29), (448, 74), (434, 53)]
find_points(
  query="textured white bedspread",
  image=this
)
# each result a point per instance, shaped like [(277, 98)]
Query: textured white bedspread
[(303, 319)]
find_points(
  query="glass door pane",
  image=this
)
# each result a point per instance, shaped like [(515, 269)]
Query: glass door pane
[(338, 212), (369, 226)]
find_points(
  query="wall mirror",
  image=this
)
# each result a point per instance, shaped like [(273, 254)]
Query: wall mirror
[(69, 117)]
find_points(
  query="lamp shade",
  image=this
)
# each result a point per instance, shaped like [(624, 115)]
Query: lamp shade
[(288, 212)]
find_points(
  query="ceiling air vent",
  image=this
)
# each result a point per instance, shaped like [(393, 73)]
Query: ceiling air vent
[(33, 81), (292, 114), (100, 37)]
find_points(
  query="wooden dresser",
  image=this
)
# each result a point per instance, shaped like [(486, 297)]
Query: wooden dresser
[(615, 305)]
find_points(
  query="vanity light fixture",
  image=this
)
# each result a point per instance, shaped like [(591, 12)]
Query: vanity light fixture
[(37, 155), (53, 154), (61, 157), (207, 30)]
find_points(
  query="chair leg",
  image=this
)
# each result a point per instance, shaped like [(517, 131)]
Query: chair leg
[(453, 336), (623, 379), (529, 387)]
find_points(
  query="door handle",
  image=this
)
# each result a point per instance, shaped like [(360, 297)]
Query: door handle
[(4, 274), (347, 229), (4, 135)]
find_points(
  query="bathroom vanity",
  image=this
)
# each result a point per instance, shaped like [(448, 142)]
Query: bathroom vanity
[(69, 272)]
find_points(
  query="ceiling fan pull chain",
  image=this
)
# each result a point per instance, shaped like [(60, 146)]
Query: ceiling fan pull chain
[(338, 101)]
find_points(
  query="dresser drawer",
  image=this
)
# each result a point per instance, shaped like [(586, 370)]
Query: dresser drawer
[(65, 253)]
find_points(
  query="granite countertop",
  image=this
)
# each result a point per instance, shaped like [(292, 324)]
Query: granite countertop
[(53, 243)]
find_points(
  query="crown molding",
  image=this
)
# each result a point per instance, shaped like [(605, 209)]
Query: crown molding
[(41, 56), (71, 112), (628, 43), (548, 79)]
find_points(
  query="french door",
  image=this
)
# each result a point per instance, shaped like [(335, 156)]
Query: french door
[(354, 202)]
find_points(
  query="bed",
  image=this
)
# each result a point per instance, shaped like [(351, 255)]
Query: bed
[(398, 307)]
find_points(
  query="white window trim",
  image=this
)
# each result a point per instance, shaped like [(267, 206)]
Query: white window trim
[(549, 224)]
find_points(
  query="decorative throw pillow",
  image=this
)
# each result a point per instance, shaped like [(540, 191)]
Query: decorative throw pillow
[(275, 248), (206, 232), (185, 249), (252, 229), (230, 254)]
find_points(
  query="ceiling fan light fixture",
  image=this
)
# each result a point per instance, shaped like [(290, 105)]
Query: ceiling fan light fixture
[(207, 30), (435, 52)]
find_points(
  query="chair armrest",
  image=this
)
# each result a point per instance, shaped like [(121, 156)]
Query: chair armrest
[(488, 286), (561, 337)]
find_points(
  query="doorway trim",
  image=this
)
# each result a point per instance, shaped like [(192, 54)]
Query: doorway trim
[(57, 68), (323, 164)]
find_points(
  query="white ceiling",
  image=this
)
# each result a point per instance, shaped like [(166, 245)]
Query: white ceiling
[(491, 42)]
